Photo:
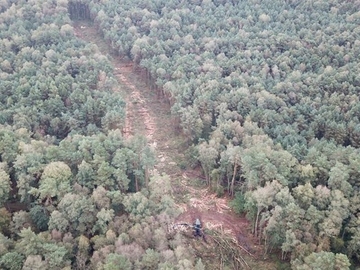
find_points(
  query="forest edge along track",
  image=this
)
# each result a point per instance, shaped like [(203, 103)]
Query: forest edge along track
[(148, 115)]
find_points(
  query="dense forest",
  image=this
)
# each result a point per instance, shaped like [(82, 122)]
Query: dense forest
[(266, 93), (69, 181)]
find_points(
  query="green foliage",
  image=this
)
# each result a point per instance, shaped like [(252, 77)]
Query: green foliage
[(29, 243), (56, 70), (137, 205), (199, 265), (20, 220), (83, 252), (208, 154), (58, 222), (117, 261), (8, 145), (39, 217), (150, 259), (78, 211), (4, 186), (323, 260), (238, 203), (55, 256), (337, 244), (104, 217), (191, 157), (85, 175), (268, 94), (4, 244), (55, 182), (12, 261)]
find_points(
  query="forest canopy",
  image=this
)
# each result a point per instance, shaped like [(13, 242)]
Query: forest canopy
[(266, 92), (74, 192)]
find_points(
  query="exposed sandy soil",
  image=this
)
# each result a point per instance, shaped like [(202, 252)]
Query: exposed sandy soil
[(148, 115)]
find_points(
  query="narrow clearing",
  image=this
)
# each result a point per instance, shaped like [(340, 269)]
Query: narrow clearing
[(146, 114)]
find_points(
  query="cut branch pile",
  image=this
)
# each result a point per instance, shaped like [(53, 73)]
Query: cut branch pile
[(218, 227), (220, 203), (204, 200), (229, 249), (178, 227), (198, 203)]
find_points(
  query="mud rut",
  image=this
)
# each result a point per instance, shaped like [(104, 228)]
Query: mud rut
[(148, 115)]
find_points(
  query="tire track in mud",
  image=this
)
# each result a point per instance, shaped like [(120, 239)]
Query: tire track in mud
[(138, 119), (145, 113), (136, 106)]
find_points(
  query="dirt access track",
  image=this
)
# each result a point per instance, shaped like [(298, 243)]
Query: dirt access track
[(150, 116)]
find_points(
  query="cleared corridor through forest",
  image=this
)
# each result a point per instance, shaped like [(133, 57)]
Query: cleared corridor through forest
[(146, 114)]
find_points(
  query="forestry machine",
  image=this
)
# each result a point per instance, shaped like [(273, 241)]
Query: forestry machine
[(196, 227)]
